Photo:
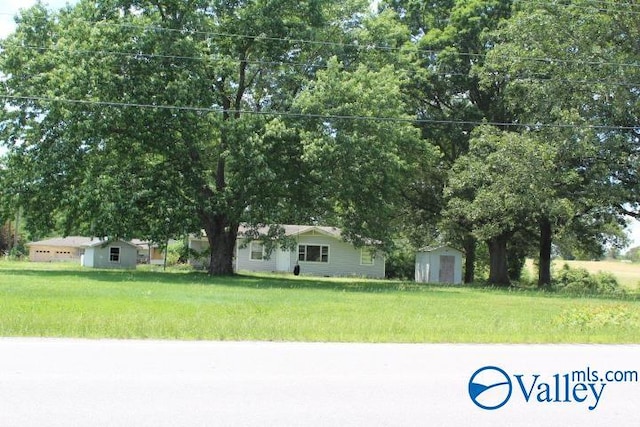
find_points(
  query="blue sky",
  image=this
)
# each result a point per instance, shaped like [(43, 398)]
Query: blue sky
[(9, 8)]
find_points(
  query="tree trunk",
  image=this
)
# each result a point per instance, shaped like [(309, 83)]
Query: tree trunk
[(544, 261), (470, 259), (498, 266), (222, 240)]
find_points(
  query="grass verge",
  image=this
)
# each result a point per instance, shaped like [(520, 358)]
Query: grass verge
[(65, 301)]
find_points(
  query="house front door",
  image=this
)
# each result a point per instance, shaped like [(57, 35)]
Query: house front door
[(447, 264), (283, 260)]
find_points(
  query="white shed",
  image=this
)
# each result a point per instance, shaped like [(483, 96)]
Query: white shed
[(442, 264)]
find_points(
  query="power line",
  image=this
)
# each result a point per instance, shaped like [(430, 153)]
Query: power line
[(355, 45), (316, 116), (600, 6), (296, 64)]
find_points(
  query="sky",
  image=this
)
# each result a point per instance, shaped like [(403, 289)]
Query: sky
[(9, 8)]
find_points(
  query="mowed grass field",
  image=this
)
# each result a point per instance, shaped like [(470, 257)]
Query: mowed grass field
[(60, 300)]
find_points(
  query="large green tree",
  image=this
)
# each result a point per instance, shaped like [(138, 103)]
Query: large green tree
[(569, 70), (160, 117), (500, 187), (141, 116), (362, 175), (449, 40)]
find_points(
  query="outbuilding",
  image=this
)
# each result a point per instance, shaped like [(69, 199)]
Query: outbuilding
[(110, 254), (55, 249), (441, 264)]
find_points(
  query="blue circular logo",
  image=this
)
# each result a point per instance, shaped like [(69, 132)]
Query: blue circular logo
[(490, 387)]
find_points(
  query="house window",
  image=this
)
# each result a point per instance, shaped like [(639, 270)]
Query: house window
[(313, 253), (257, 251), (114, 254), (366, 256)]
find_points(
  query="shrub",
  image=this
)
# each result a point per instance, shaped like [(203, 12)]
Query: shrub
[(400, 264), (579, 281), (592, 317), (18, 253), (176, 253)]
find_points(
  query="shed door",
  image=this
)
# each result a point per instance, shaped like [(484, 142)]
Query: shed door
[(447, 264)]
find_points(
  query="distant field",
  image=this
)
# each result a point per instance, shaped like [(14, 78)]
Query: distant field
[(57, 300), (627, 273)]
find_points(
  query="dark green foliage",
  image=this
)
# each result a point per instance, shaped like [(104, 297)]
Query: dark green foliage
[(18, 252), (400, 263)]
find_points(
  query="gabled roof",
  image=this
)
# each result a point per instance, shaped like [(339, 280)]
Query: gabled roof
[(435, 248), (289, 230), (296, 230), (98, 242), (75, 242), (146, 243), (69, 241)]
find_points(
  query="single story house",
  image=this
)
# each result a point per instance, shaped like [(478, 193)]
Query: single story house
[(318, 251), (441, 264), (68, 248), (150, 253), (110, 254)]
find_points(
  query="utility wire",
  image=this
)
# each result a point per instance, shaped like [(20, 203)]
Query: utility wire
[(315, 116), (355, 45), (139, 55), (600, 6)]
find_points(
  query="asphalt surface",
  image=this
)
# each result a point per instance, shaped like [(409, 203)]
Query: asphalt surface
[(61, 382)]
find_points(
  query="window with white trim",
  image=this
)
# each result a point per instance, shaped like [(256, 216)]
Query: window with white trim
[(114, 254), (313, 253), (257, 251), (367, 255)]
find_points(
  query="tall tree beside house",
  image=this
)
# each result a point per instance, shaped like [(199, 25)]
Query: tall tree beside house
[(572, 66), (157, 118), (138, 116), (498, 188), (449, 42), (363, 146)]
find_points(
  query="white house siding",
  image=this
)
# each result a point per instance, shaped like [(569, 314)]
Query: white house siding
[(87, 258), (422, 267), (344, 259), (244, 261)]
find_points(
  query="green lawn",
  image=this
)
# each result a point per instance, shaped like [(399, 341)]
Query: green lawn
[(59, 300)]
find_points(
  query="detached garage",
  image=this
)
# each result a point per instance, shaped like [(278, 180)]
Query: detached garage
[(58, 249), (442, 264), (111, 254)]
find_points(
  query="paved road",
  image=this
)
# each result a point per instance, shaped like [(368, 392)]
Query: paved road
[(60, 382)]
